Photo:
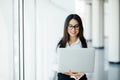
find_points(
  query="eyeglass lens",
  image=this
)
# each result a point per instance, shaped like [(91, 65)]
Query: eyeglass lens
[(71, 27)]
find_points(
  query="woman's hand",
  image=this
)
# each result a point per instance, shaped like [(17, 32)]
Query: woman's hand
[(70, 73)]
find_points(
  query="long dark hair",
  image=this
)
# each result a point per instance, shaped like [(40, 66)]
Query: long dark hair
[(65, 38)]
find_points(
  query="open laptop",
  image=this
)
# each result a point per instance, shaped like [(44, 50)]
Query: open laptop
[(76, 60)]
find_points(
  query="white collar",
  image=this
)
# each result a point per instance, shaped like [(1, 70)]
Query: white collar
[(75, 43)]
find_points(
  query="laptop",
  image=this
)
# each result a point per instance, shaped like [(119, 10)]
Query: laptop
[(76, 60)]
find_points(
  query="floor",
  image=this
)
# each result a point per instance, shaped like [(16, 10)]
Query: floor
[(104, 70)]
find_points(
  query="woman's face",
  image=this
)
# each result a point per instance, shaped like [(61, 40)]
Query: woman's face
[(73, 28)]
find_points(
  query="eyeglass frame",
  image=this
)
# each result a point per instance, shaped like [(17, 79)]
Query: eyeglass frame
[(76, 27)]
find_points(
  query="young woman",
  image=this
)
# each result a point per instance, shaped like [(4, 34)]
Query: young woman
[(73, 38)]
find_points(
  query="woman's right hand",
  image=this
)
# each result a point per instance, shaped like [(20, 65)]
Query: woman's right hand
[(70, 73)]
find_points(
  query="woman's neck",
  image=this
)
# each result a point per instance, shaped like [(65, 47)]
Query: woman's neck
[(72, 40)]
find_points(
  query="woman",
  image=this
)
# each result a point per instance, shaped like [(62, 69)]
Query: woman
[(72, 38)]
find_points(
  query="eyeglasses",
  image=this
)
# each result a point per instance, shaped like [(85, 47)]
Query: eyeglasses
[(71, 27)]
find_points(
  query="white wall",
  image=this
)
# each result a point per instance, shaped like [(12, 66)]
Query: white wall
[(6, 40), (65, 4)]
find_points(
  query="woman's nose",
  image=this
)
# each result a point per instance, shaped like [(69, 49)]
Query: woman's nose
[(73, 28)]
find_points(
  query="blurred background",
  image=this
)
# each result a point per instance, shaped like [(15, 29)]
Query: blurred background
[(30, 30)]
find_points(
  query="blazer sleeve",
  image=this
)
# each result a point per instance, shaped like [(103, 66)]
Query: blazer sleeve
[(84, 77)]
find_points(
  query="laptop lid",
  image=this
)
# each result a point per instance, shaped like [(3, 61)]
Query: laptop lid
[(76, 60)]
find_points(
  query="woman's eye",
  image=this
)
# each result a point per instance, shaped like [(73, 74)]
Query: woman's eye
[(70, 26)]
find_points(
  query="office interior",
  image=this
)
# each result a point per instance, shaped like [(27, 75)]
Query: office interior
[(30, 30)]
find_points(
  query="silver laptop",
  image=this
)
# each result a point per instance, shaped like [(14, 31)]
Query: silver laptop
[(76, 60)]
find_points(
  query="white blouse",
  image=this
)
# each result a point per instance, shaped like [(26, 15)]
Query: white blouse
[(76, 44)]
